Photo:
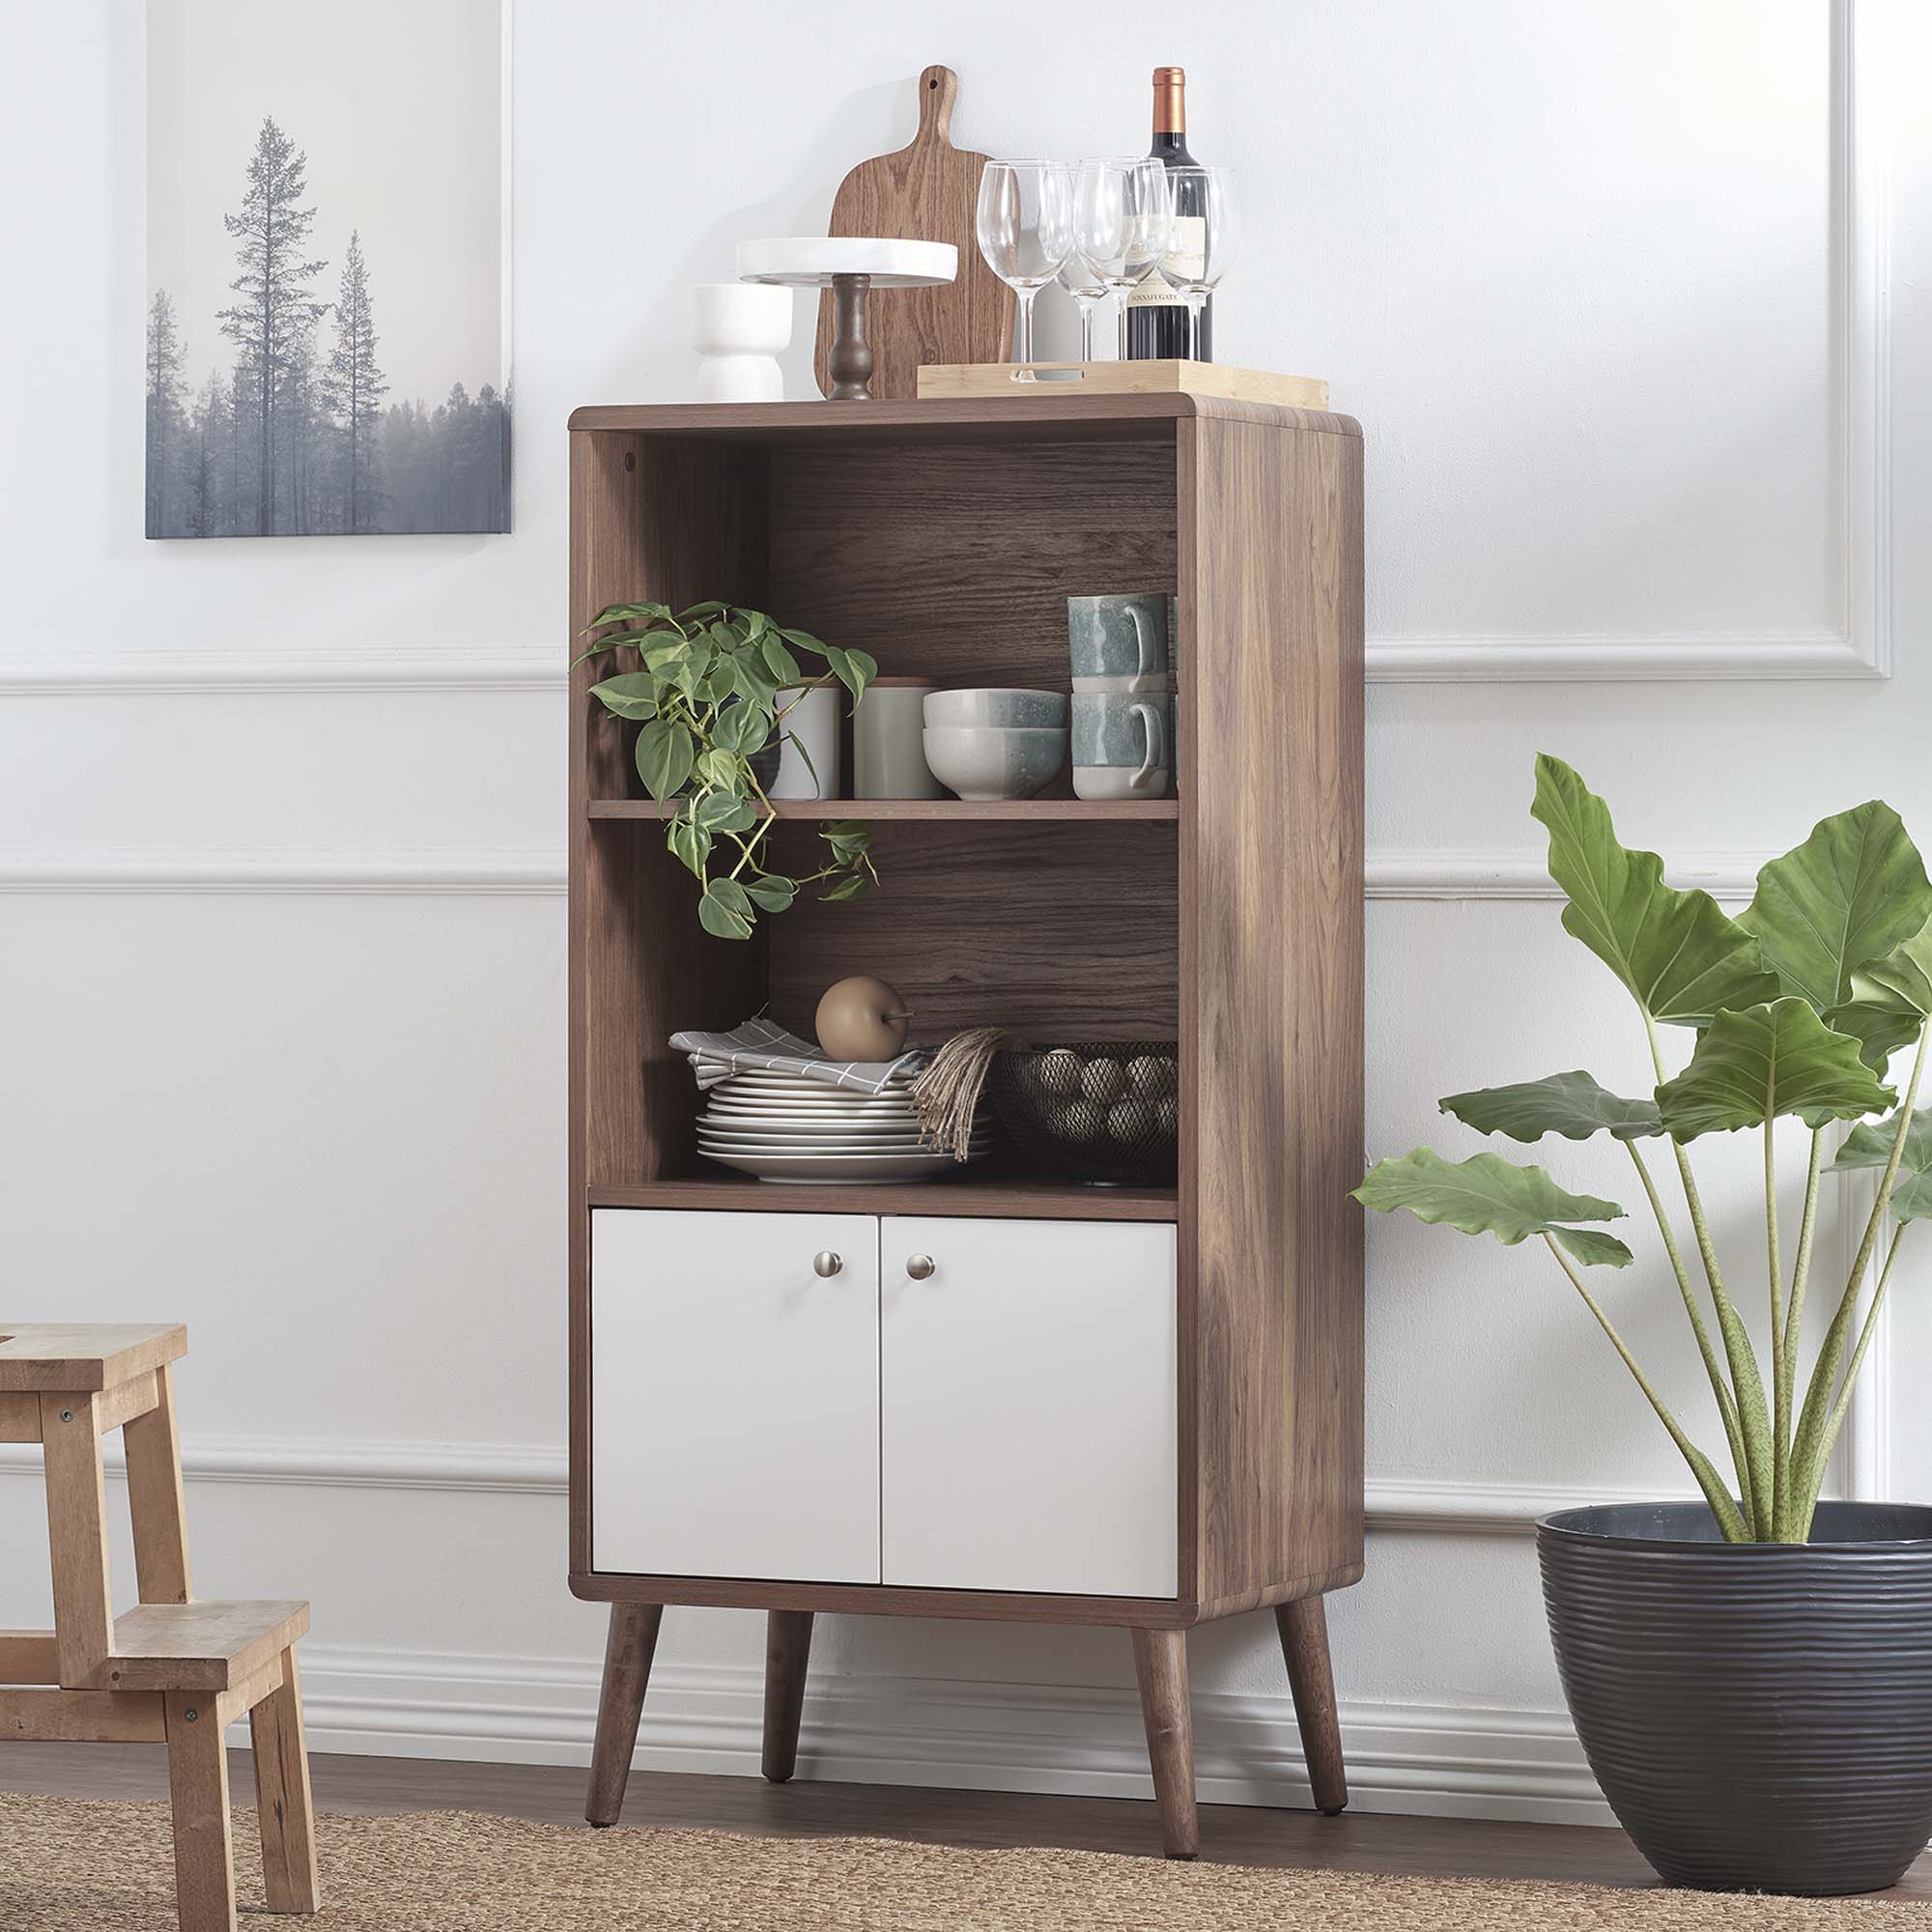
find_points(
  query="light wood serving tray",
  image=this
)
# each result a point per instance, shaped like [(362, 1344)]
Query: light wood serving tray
[(1122, 378)]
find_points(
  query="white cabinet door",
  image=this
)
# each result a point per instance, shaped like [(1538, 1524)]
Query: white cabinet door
[(1028, 1392), (734, 1392)]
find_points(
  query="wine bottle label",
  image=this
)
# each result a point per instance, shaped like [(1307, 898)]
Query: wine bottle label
[(1155, 293), (1187, 248)]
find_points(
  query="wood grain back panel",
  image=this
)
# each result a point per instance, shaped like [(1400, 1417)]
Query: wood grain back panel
[(927, 191), (954, 560), (1271, 724), (1060, 930)]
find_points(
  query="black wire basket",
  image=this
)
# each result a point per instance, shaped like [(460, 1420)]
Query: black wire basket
[(1105, 1112)]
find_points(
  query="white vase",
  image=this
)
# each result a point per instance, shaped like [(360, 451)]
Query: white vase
[(739, 330), (813, 719)]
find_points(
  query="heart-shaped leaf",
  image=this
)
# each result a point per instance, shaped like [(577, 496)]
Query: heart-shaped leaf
[(1676, 952), (632, 696), (740, 727), (725, 811), (665, 755), (778, 660), (1571, 1104), (1764, 1062), (717, 914), (849, 886), (632, 613), (689, 844), (1489, 1195), (1852, 892), (773, 891)]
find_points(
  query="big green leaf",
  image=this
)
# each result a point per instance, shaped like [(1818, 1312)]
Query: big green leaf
[(1903, 977), (665, 755), (1489, 1195), (1869, 1145), (1571, 1104), (1879, 1025), (1764, 1062), (1676, 952), (1853, 891)]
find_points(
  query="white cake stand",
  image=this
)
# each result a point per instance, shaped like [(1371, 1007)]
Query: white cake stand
[(851, 267)]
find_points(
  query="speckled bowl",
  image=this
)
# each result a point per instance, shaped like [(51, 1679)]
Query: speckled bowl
[(1005, 705), (979, 762)]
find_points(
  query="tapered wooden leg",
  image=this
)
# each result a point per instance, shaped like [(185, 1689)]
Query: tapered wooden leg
[(1304, 1644), (627, 1670), (198, 1784), (152, 1443), (282, 1798), (787, 1647), (1160, 1662)]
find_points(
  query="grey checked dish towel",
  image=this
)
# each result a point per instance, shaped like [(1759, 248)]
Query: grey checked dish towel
[(762, 1042)]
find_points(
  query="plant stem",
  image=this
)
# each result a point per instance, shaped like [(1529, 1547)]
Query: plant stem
[(1754, 1417), (1836, 1421), (1786, 1369), (1727, 1408), (1775, 1272), (1729, 1520), (1807, 1459)]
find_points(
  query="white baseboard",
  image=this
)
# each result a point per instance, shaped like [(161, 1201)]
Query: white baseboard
[(1437, 1760)]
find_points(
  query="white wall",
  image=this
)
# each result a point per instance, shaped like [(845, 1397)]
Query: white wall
[(1632, 300)]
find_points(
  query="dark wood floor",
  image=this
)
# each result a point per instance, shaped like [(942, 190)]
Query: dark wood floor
[(1231, 1834)]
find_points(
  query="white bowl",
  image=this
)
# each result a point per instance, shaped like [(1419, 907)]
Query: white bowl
[(1002, 705), (983, 761)]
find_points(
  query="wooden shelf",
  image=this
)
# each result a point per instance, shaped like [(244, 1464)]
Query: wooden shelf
[(944, 811), (1009, 1198)]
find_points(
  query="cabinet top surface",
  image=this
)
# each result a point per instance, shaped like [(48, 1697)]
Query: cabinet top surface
[(1128, 414)]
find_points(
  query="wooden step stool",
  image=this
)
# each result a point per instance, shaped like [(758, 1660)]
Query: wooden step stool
[(172, 1670)]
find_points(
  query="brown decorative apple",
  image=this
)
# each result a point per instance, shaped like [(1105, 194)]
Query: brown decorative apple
[(861, 1018)]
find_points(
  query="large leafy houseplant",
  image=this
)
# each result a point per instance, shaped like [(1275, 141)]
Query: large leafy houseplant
[(714, 686), (1795, 1008)]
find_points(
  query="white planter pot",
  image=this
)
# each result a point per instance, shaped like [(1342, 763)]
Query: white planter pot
[(739, 330)]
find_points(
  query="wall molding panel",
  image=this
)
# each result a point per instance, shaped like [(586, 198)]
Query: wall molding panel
[(1421, 875), (1420, 1505), (1457, 1761)]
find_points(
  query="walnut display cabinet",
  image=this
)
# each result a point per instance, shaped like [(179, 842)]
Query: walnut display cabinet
[(997, 1395)]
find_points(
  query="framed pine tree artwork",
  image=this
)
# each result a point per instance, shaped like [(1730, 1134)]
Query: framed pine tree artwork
[(327, 306)]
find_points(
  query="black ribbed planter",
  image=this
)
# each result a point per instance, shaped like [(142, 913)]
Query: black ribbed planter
[(1758, 1715)]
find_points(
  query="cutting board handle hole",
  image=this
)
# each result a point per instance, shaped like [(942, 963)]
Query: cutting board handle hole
[(1026, 372)]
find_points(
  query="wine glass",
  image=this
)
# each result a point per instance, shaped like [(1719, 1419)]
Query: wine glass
[(1122, 208), (1203, 241), (1078, 279), (1026, 230)]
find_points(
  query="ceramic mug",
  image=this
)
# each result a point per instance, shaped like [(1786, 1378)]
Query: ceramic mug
[(1123, 745), (888, 741), (1119, 637)]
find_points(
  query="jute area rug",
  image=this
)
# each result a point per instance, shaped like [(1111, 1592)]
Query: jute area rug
[(69, 1865)]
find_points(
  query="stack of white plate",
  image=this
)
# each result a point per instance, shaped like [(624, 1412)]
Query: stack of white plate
[(781, 1126)]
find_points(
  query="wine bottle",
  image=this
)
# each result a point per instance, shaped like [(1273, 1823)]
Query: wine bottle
[(1158, 313)]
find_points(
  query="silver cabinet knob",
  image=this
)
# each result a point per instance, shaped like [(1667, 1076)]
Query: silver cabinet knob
[(824, 1263), (918, 1266)]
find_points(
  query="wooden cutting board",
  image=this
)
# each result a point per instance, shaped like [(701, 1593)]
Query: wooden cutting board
[(926, 192)]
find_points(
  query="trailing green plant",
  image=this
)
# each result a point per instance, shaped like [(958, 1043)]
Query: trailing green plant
[(715, 685), (1796, 1007)]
